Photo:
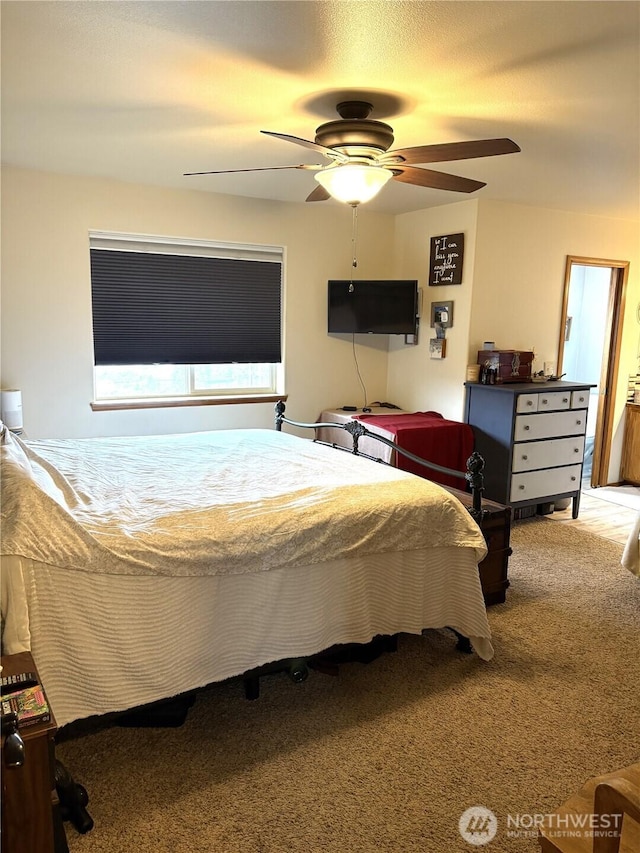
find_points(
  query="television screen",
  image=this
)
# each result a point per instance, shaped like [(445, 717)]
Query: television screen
[(379, 307)]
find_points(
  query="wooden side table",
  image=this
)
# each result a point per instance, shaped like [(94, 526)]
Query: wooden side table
[(31, 820), (496, 528)]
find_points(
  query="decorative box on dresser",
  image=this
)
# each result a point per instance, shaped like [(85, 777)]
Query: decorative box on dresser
[(532, 437)]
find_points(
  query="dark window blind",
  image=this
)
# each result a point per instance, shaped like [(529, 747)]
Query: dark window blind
[(153, 308)]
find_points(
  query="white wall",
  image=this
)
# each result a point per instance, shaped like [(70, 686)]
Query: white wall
[(518, 285), (417, 382), (46, 305), (511, 293)]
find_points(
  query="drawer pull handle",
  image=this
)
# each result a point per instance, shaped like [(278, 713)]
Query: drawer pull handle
[(524, 457), (578, 422), (529, 402), (544, 401), (521, 487), (527, 427), (565, 399), (573, 479), (576, 450)]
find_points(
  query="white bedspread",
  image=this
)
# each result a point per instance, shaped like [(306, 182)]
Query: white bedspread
[(631, 554), (225, 502), (138, 568)]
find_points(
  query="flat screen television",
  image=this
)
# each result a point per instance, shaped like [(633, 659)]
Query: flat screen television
[(373, 306)]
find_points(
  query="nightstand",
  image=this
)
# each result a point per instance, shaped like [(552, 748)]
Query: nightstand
[(367, 446), (31, 819)]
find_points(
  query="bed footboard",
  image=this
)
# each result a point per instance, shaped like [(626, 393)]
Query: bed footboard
[(473, 475)]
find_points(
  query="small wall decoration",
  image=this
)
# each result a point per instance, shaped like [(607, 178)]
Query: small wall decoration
[(437, 348), (445, 263), (442, 314)]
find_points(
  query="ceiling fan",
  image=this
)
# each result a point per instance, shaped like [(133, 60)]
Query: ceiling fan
[(361, 162)]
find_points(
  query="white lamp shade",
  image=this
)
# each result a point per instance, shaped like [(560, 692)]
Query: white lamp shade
[(11, 408), (353, 183)]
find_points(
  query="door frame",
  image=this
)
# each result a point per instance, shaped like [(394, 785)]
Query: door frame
[(610, 357)]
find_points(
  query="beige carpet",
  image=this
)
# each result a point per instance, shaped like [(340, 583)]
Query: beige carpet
[(387, 756)]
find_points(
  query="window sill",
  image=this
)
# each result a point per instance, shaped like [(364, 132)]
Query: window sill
[(177, 402)]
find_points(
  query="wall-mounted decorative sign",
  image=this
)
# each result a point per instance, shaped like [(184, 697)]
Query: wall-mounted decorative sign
[(445, 263)]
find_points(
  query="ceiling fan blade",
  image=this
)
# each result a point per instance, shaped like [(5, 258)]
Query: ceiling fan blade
[(258, 169), (435, 180), (319, 194), (306, 143), (454, 151)]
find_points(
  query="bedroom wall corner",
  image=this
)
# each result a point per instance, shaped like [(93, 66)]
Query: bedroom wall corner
[(416, 381)]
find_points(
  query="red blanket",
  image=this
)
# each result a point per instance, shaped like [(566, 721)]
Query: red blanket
[(432, 437)]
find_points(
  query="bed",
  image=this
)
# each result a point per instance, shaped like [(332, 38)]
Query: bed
[(139, 568), (631, 554)]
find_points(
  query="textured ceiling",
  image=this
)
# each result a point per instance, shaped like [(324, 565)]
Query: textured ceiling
[(144, 91)]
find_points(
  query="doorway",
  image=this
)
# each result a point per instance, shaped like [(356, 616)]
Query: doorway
[(589, 348)]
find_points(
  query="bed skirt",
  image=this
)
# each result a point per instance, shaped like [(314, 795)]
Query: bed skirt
[(107, 643)]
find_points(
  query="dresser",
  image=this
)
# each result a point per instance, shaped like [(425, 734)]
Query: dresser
[(532, 438)]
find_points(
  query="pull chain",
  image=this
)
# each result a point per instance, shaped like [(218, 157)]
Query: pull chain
[(354, 265), (354, 243)]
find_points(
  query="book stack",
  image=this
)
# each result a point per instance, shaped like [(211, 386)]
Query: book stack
[(29, 705)]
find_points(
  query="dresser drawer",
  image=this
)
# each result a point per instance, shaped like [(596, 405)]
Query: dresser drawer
[(527, 403), (554, 401), (540, 484), (548, 425), (547, 454), (579, 399)]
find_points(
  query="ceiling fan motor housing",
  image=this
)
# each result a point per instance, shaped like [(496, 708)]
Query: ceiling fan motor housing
[(337, 134), (355, 128)]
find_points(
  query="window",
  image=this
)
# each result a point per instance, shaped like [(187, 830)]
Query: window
[(182, 318)]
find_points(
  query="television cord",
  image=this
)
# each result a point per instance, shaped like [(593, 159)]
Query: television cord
[(355, 359)]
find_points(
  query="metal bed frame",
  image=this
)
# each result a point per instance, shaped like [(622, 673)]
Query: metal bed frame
[(473, 475)]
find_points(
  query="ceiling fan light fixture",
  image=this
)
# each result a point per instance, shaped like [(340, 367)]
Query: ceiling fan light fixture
[(353, 183)]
